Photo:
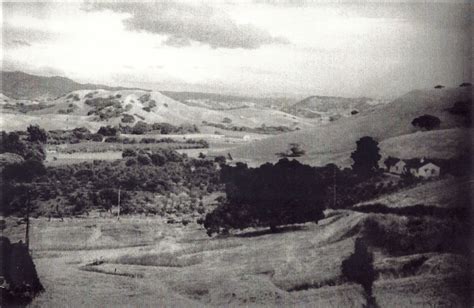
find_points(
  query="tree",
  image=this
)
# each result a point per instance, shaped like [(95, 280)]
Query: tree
[(359, 268), (268, 196), (366, 157), (294, 150), (129, 153), (37, 134), (427, 122), (108, 131), (140, 128)]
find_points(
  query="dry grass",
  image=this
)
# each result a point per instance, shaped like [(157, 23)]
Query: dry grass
[(162, 259), (298, 268)]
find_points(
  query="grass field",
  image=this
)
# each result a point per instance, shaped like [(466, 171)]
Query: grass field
[(142, 261)]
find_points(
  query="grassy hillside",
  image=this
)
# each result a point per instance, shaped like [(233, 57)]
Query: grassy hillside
[(154, 107), (180, 266), (330, 106), (334, 141), (446, 193)]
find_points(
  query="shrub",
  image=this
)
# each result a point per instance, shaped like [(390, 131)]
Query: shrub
[(144, 159), (108, 131), (37, 134), (129, 153), (128, 118), (97, 137), (294, 150), (131, 162), (113, 139), (140, 128)]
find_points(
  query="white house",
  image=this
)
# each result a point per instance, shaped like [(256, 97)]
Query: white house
[(428, 170), (423, 168), (398, 168)]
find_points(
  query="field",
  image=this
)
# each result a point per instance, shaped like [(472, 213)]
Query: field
[(143, 261)]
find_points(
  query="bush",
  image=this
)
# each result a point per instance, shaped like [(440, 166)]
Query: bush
[(108, 131), (140, 128), (129, 153), (128, 118), (144, 159), (294, 150), (97, 137), (37, 134)]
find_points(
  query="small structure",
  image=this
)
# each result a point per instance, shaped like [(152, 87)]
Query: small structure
[(395, 165), (423, 168)]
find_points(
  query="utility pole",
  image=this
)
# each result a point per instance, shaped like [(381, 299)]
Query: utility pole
[(334, 189), (27, 231), (118, 214)]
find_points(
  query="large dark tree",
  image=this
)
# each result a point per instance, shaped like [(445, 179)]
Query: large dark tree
[(366, 157), (271, 195), (427, 122), (37, 134)]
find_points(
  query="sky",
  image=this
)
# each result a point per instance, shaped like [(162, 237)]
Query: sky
[(381, 49)]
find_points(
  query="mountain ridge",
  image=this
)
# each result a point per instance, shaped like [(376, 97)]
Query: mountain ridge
[(20, 85)]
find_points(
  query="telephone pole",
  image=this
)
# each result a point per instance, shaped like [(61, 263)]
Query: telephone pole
[(118, 214), (334, 188), (27, 231)]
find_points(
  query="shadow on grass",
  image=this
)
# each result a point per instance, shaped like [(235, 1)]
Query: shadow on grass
[(278, 230)]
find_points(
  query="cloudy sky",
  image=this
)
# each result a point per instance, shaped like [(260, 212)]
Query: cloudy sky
[(259, 48)]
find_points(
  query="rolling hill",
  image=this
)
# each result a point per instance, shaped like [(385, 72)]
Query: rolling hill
[(92, 108), (334, 141), (331, 107), (19, 85)]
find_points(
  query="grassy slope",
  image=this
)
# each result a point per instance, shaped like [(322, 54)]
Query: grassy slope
[(181, 267), (166, 110), (449, 193), (333, 141)]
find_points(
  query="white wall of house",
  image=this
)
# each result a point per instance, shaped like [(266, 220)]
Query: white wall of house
[(398, 168), (429, 170)]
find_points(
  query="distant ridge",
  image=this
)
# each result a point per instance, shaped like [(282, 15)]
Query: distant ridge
[(19, 85)]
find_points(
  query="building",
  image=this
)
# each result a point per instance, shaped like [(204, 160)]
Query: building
[(423, 168), (395, 165)]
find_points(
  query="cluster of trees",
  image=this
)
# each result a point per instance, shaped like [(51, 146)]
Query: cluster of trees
[(104, 107), (74, 189), (163, 128), (226, 125), (287, 192), (290, 192), (75, 135), (29, 146)]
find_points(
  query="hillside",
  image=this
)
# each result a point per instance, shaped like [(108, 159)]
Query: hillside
[(223, 102), (334, 141), (331, 107), (19, 85), (100, 107)]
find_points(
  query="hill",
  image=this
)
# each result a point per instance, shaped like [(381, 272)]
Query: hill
[(331, 107), (224, 102), (19, 85), (334, 141), (100, 107)]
